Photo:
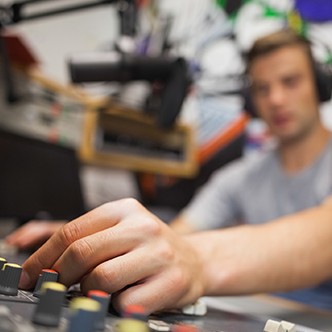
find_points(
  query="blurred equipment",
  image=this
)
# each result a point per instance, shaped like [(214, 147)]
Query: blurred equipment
[(124, 138), (148, 141), (144, 137), (170, 73), (121, 65), (24, 10), (38, 180)]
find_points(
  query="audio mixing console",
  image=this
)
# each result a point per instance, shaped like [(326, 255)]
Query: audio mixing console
[(50, 307)]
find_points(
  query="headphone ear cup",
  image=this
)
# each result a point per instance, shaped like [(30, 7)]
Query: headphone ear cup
[(248, 103), (323, 76)]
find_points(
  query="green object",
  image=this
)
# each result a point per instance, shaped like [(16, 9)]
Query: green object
[(221, 3), (328, 59), (271, 12)]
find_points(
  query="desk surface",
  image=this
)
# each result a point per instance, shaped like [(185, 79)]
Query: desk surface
[(269, 307)]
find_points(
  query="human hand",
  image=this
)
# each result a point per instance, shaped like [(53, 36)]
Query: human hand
[(125, 250), (33, 234)]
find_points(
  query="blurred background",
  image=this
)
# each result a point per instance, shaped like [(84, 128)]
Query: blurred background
[(102, 100)]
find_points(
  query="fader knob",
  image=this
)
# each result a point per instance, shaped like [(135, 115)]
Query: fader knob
[(48, 310), (184, 328), (44, 276), (130, 325), (2, 262), (84, 313), (9, 278), (103, 299), (135, 311)]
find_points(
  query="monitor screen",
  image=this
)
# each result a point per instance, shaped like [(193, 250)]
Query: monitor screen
[(38, 179)]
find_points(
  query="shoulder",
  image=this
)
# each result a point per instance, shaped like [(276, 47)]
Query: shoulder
[(325, 158), (249, 166), (329, 144)]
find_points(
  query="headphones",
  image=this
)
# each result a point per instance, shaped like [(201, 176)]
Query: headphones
[(323, 80)]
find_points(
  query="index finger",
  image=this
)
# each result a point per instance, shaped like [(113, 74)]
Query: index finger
[(105, 216)]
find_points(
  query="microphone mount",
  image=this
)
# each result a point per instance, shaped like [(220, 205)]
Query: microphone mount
[(18, 11)]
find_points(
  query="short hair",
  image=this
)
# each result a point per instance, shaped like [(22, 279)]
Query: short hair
[(276, 41)]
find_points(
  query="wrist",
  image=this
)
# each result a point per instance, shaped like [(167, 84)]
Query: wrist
[(203, 250)]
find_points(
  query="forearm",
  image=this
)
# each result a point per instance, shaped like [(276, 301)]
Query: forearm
[(292, 252), (181, 226)]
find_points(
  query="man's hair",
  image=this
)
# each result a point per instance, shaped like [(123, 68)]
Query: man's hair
[(276, 41)]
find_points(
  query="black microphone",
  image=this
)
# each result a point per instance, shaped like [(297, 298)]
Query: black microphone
[(119, 67)]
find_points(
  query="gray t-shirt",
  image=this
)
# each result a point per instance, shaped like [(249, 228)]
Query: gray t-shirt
[(256, 190)]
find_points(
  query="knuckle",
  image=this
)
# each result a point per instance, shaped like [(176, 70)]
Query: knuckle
[(165, 252), (81, 251), (149, 226), (69, 233), (131, 203), (127, 206), (104, 278)]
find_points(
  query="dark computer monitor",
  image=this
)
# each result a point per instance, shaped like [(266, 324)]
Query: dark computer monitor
[(38, 179)]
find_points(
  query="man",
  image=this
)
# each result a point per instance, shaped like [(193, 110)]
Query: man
[(289, 253), (283, 87), (293, 176)]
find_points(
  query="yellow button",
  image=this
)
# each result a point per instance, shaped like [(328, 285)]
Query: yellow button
[(56, 286), (130, 325), (84, 303)]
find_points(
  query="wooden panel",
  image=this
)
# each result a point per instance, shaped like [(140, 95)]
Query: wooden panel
[(128, 139)]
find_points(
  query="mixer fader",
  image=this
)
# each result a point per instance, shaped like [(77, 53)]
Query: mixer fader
[(51, 307)]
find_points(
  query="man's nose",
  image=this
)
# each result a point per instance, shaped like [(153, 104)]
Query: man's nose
[(277, 96)]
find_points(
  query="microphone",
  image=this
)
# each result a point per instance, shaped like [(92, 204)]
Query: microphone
[(115, 66)]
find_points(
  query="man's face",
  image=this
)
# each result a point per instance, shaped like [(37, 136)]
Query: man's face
[(284, 92)]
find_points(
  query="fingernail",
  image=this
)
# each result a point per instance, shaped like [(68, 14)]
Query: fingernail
[(25, 280)]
